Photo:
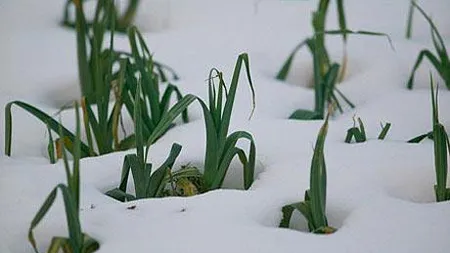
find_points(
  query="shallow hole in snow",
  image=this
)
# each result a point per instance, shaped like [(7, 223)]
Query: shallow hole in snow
[(302, 73), (233, 179)]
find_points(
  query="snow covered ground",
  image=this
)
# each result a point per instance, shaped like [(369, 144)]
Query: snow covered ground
[(380, 193)]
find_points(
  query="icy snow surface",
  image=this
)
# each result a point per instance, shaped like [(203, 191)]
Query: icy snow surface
[(380, 193)]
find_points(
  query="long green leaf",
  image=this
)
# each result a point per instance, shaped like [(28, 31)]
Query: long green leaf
[(168, 118), (44, 118), (75, 235), (284, 71), (424, 53), (318, 179)]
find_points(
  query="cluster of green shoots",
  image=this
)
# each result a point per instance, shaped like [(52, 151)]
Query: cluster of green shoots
[(77, 242), (146, 183), (98, 81), (326, 73), (221, 147), (441, 61), (135, 85), (313, 207), (358, 133), (133, 80), (123, 22)]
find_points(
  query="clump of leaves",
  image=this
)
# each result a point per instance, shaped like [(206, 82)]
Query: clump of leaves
[(358, 133), (313, 208), (123, 22), (441, 61), (185, 182), (77, 242), (147, 184), (140, 67), (326, 73), (221, 147), (98, 81)]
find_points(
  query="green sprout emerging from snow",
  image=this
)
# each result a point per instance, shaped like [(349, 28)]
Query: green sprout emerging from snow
[(313, 208)]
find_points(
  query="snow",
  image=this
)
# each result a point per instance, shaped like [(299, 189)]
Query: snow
[(380, 193)]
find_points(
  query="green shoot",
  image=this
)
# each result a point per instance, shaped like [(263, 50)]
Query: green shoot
[(220, 146), (441, 61), (146, 183), (441, 150), (154, 104), (98, 81), (359, 133), (326, 73), (384, 131), (77, 242), (314, 205), (122, 22)]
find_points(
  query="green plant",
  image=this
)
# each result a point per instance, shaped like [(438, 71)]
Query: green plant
[(220, 146), (146, 183), (122, 21), (97, 76), (326, 73), (314, 205), (139, 65), (441, 61), (441, 148), (77, 242), (359, 133)]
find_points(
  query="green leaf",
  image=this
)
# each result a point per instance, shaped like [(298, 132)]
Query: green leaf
[(410, 20), (346, 32), (75, 235), (301, 114), (318, 179), (44, 118), (384, 131), (51, 147), (120, 195), (287, 214), (341, 17), (157, 183), (284, 71), (419, 138), (168, 118), (424, 53)]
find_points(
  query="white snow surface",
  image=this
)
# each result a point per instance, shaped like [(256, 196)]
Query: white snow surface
[(380, 193)]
